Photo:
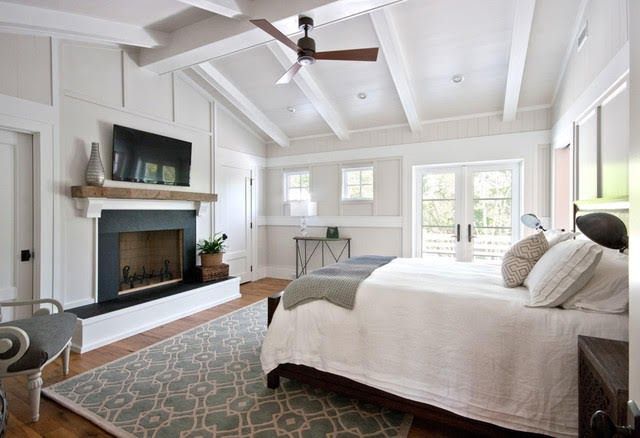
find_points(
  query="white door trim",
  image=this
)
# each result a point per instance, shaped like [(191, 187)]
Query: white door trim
[(44, 170), (464, 195)]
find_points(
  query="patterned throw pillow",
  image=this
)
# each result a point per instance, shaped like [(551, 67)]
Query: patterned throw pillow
[(521, 257)]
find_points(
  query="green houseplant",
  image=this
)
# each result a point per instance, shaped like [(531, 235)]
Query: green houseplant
[(211, 250)]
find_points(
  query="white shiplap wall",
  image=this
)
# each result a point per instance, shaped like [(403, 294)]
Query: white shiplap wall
[(478, 125)]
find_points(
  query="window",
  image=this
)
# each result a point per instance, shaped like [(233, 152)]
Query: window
[(357, 184), (296, 186)]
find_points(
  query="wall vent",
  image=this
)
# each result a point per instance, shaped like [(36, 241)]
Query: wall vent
[(583, 35)]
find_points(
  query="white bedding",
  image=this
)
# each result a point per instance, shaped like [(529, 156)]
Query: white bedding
[(450, 335)]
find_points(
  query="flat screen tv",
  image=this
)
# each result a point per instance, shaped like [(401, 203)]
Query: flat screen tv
[(144, 157)]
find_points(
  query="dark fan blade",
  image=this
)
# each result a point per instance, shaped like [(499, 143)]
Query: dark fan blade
[(286, 78), (350, 55), (274, 32)]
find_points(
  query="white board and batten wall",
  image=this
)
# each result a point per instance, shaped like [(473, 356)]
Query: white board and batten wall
[(384, 226), (81, 90)]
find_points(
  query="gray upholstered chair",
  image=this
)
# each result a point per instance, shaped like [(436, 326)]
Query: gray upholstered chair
[(28, 345)]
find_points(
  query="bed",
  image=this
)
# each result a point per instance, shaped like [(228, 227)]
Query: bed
[(444, 341)]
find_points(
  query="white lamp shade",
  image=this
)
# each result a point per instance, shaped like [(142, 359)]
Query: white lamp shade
[(303, 208)]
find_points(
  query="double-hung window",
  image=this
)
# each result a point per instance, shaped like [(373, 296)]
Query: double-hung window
[(357, 184), (296, 185)]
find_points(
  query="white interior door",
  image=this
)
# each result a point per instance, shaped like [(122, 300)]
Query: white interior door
[(16, 220), (467, 212), (233, 217)]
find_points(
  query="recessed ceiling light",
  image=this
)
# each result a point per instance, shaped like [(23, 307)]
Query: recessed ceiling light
[(291, 109), (456, 79), (362, 96)]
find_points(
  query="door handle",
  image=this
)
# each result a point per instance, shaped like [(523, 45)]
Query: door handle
[(25, 255), (469, 235), (457, 235)]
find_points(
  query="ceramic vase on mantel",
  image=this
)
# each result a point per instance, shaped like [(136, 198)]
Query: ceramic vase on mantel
[(95, 169)]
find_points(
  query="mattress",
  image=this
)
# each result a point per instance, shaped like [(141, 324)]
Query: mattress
[(448, 334)]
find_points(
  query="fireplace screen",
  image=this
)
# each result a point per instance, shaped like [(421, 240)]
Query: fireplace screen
[(149, 259)]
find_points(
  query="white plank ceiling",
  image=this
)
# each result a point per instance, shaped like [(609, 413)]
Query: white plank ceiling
[(435, 40)]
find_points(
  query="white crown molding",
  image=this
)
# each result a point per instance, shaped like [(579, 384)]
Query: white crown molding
[(522, 23), (332, 221), (35, 20)]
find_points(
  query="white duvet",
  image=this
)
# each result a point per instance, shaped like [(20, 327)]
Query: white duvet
[(450, 335)]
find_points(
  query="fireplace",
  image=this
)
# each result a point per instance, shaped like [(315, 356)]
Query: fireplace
[(144, 249), (149, 259)]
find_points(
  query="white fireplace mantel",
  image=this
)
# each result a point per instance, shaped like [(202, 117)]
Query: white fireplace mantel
[(92, 207)]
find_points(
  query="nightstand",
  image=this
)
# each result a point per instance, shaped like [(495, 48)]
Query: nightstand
[(603, 380)]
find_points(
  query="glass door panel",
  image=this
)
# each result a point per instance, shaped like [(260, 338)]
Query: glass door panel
[(438, 206), (467, 212), (492, 213)]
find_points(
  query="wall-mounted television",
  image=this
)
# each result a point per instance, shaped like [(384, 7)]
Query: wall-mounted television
[(144, 157)]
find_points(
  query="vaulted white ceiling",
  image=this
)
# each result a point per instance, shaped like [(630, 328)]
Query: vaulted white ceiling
[(428, 41)]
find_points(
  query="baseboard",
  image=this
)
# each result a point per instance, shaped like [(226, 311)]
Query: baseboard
[(92, 333)]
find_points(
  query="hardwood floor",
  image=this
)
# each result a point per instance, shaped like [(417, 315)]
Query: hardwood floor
[(56, 421)]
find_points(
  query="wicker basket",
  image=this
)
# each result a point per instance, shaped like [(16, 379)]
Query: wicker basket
[(210, 273)]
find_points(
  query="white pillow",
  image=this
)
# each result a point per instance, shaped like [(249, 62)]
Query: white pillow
[(561, 272), (608, 290), (556, 236)]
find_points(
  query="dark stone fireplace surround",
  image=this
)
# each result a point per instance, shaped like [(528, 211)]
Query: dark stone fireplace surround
[(114, 222)]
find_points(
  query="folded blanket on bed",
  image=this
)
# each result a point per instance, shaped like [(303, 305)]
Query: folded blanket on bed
[(335, 283)]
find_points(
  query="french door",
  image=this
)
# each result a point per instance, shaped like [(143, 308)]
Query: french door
[(467, 212)]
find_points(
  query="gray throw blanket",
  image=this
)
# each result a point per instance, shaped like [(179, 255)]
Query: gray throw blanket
[(335, 283)]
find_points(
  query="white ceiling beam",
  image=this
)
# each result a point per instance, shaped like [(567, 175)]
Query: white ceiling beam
[(226, 8), (518, 56), (241, 102), (218, 36), (392, 49), (310, 88), (29, 19)]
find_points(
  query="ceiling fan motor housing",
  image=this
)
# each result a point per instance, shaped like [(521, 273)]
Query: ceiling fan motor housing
[(307, 45)]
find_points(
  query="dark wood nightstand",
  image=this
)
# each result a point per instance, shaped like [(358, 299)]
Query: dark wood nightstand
[(603, 380)]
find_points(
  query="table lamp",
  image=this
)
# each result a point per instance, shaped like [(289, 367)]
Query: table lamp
[(303, 209)]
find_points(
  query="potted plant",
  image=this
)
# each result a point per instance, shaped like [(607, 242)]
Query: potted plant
[(211, 250)]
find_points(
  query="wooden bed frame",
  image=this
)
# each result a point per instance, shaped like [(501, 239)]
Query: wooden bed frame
[(350, 388)]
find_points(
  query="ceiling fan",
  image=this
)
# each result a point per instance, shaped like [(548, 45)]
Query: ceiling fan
[(306, 48)]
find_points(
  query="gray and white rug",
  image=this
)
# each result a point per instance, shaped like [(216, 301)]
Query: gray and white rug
[(208, 382)]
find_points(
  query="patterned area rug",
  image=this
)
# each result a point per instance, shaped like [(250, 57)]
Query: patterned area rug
[(208, 382)]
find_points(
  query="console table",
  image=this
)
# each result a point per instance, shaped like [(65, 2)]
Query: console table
[(304, 254)]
